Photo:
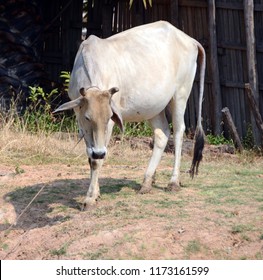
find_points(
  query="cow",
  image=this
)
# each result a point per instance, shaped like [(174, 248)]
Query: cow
[(135, 76)]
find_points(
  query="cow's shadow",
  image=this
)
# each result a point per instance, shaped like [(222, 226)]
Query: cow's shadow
[(57, 201)]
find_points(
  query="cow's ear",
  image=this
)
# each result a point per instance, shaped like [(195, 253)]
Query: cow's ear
[(69, 105), (113, 90), (116, 117)]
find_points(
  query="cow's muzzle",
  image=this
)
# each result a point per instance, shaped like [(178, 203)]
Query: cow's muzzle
[(98, 154)]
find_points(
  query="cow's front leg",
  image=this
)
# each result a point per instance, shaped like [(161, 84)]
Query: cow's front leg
[(94, 189)]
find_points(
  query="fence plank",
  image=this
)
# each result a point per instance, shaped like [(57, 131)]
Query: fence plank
[(255, 110), (251, 58), (217, 104)]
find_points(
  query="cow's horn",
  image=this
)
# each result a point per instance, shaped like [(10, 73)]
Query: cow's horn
[(113, 90)]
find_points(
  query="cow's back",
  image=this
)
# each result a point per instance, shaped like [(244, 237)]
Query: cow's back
[(147, 63)]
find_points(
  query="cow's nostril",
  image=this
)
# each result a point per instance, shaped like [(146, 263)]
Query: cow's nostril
[(98, 155)]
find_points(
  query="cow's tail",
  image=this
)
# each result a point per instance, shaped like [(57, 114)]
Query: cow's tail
[(199, 133)]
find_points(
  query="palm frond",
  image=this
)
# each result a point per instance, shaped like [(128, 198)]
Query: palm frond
[(144, 3)]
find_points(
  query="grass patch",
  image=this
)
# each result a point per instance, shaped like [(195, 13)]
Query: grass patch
[(234, 191), (98, 254), (240, 228), (226, 214), (61, 251), (193, 246)]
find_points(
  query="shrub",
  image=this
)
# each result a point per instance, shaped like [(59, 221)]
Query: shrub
[(37, 116), (218, 140)]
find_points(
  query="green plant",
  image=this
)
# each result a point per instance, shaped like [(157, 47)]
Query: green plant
[(241, 228), (193, 246), (38, 117), (61, 251), (37, 95), (66, 76), (248, 140), (218, 140), (135, 129), (19, 170)]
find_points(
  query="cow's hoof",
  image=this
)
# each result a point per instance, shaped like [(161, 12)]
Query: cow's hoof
[(88, 203), (173, 187), (145, 189), (146, 185)]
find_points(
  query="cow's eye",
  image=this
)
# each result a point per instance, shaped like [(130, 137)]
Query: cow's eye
[(87, 117)]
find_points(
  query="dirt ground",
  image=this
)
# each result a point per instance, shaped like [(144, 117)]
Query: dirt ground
[(190, 224)]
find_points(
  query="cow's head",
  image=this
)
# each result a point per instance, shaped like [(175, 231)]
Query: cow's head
[(94, 109)]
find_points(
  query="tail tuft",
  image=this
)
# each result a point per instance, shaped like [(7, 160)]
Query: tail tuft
[(198, 151)]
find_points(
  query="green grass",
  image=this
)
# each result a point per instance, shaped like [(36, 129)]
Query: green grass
[(192, 247), (98, 254), (60, 251), (135, 129), (241, 228), (232, 185)]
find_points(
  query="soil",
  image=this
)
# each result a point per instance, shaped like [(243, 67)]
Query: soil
[(124, 224)]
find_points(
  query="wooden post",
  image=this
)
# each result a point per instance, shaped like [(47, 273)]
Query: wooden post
[(255, 110), (233, 131), (214, 67), (251, 59)]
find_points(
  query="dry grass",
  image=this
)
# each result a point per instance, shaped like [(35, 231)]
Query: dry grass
[(21, 147)]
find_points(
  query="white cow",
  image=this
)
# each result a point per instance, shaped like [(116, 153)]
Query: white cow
[(134, 76)]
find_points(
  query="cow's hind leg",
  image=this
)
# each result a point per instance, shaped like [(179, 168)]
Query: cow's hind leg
[(178, 110), (161, 134)]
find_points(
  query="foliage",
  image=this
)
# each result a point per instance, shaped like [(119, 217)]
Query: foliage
[(218, 140), (37, 116), (248, 140), (135, 129), (66, 76)]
